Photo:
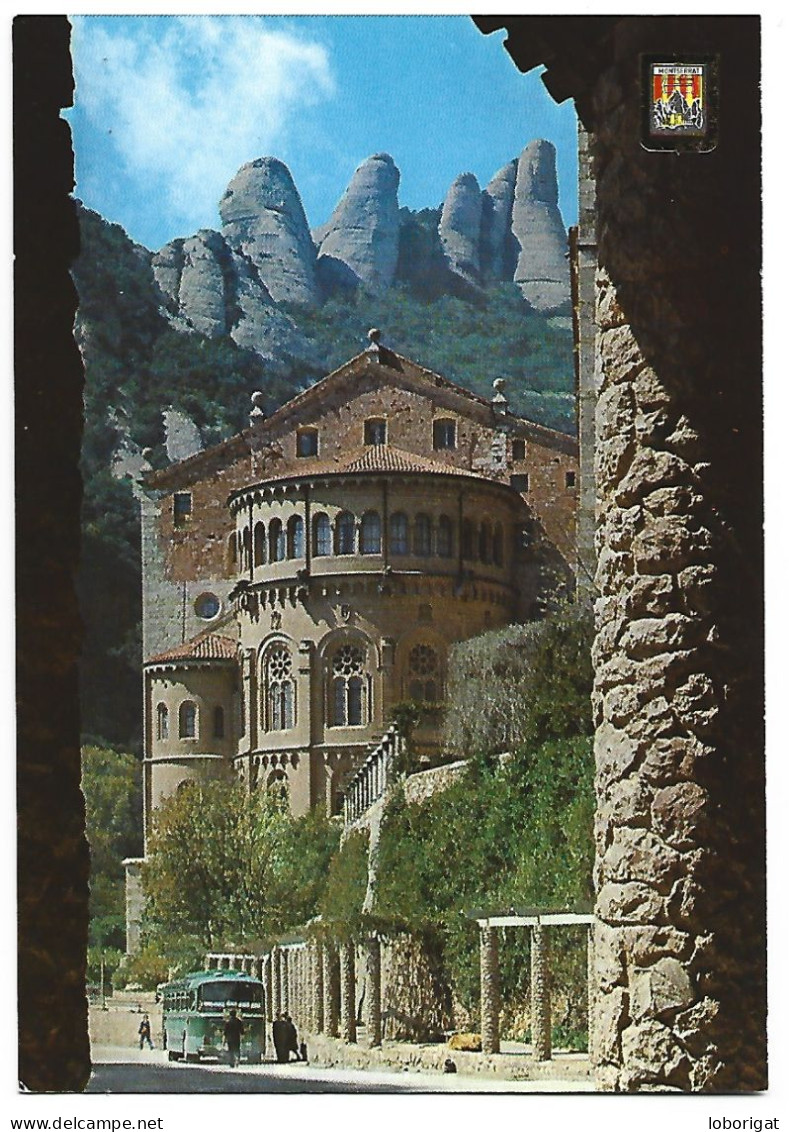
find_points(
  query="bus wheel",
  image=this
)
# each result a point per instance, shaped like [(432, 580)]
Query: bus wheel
[(172, 1055)]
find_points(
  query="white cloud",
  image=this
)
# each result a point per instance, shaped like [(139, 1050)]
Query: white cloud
[(190, 99)]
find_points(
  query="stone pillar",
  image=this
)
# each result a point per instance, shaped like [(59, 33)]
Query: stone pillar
[(540, 995), (317, 987), (591, 997), (372, 995), (490, 996), (268, 965), (331, 989), (276, 971), (348, 992), (284, 966)]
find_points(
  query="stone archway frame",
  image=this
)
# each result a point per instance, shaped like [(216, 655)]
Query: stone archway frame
[(490, 991)]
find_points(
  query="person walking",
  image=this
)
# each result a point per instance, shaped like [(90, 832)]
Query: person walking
[(293, 1039), (280, 1034), (234, 1028), (145, 1032)]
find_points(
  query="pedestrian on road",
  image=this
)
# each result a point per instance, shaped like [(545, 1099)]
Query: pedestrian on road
[(280, 1034), (293, 1040), (145, 1032), (234, 1028)]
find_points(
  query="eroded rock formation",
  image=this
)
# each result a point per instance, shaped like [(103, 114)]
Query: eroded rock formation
[(359, 244), (542, 271), (460, 225), (263, 218)]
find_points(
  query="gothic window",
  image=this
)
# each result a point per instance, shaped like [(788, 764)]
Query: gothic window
[(295, 537), (444, 538), (307, 442), (276, 541), (162, 722), (375, 431), (398, 533), (423, 535), (467, 537), (219, 722), (321, 535), (443, 433), (182, 508), (187, 720), (349, 703), (259, 545), (424, 676), (344, 533), (279, 689), (370, 541)]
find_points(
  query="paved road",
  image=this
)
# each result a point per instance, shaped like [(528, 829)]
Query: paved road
[(130, 1071)]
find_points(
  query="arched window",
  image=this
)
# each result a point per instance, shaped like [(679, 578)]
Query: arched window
[(276, 541), (398, 533), (467, 538), (278, 781), (279, 689), (232, 551), (295, 537), (484, 542), (498, 545), (423, 535), (321, 535), (219, 722), (370, 540), (444, 539), (247, 548), (259, 545), (345, 533), (424, 674), (162, 722), (349, 703), (187, 720)]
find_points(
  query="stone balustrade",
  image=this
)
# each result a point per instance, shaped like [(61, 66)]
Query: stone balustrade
[(371, 780)]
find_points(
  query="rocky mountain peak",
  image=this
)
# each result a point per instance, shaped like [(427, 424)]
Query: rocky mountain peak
[(263, 219), (359, 244), (542, 271)]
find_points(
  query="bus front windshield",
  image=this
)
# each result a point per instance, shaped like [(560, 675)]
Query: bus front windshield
[(221, 995)]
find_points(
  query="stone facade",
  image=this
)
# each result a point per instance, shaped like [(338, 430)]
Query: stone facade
[(679, 952), (329, 556)]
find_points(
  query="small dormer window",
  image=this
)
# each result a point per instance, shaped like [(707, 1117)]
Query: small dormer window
[(307, 442), (182, 508), (375, 431), (443, 434)]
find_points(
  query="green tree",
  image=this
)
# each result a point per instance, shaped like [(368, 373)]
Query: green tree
[(228, 867), (111, 784)]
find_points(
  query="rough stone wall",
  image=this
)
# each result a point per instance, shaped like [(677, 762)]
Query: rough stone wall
[(415, 995), (680, 855), (52, 853)]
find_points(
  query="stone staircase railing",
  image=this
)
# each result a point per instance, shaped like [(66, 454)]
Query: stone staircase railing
[(373, 776)]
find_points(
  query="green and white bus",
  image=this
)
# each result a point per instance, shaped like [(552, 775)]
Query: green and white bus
[(196, 1007)]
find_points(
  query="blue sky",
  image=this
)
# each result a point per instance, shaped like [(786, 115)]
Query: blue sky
[(168, 108)]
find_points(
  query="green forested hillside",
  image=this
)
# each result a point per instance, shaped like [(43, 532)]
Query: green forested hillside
[(136, 365)]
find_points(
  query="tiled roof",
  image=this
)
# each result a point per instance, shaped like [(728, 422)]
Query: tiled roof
[(205, 646), (372, 458)]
